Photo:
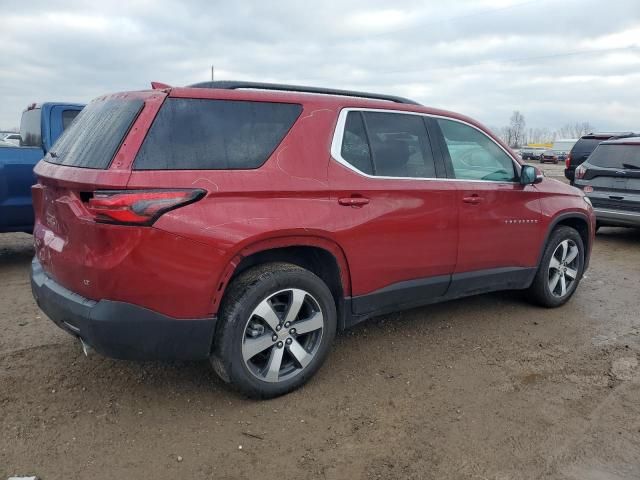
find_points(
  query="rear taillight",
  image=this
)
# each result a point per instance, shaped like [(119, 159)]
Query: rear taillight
[(137, 207), (580, 171), (567, 161)]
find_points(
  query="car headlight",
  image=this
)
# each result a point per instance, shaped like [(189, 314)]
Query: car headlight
[(587, 201)]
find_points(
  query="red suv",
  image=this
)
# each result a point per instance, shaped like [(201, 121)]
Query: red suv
[(246, 223)]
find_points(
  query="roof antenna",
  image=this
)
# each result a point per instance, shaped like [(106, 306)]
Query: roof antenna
[(212, 70)]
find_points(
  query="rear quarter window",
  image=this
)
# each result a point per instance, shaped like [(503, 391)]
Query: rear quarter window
[(201, 134)]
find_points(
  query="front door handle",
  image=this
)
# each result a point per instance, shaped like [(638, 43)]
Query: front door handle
[(353, 201), (473, 199)]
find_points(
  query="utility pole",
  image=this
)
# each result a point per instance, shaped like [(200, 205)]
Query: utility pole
[(212, 73)]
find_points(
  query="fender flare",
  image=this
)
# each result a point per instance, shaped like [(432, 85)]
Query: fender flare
[(282, 242), (554, 223)]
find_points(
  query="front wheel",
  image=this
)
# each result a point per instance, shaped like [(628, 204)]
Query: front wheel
[(278, 321), (560, 269)]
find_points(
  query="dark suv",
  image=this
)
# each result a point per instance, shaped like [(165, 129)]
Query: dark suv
[(245, 223), (583, 148), (611, 179)]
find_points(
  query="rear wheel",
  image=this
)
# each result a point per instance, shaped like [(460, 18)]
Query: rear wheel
[(560, 269), (277, 324)]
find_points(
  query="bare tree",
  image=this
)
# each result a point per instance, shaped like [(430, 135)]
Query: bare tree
[(575, 130), (516, 127)]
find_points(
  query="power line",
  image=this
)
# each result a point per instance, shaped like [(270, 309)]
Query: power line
[(554, 55)]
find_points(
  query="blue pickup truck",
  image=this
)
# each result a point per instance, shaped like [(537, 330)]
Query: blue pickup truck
[(40, 127)]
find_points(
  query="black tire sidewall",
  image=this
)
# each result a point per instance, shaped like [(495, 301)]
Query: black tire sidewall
[(558, 236), (229, 349)]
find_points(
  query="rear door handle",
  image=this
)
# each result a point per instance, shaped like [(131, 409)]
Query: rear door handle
[(353, 201), (473, 199), (613, 197)]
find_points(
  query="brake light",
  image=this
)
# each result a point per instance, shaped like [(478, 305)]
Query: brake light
[(580, 171), (137, 207), (567, 161)]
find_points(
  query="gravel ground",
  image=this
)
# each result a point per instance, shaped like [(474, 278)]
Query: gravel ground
[(485, 387)]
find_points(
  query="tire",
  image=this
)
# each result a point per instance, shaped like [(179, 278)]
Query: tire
[(253, 335), (541, 291)]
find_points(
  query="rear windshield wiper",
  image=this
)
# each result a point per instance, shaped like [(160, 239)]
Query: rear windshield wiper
[(631, 166), (53, 154)]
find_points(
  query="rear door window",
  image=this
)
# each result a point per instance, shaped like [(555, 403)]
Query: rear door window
[(475, 156), (620, 157), (93, 139), (200, 134), (388, 145)]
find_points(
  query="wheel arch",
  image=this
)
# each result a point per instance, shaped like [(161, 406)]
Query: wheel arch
[(576, 220), (319, 255)]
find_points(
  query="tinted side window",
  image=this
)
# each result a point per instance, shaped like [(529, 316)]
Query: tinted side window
[(67, 117), (30, 133), (400, 145), (621, 157), (355, 147), (474, 155), (197, 134)]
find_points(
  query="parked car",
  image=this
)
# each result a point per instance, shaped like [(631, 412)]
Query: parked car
[(40, 127), (247, 222), (610, 177), (549, 156), (531, 153), (583, 148), (11, 139)]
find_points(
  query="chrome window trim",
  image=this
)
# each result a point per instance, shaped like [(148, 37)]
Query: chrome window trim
[(338, 135)]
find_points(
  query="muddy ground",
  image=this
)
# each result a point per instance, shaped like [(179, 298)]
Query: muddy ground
[(488, 387)]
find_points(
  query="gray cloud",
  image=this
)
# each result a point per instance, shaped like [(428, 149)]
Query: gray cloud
[(483, 58)]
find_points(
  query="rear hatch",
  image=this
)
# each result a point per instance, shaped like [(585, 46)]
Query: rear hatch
[(583, 148), (613, 172), (92, 155)]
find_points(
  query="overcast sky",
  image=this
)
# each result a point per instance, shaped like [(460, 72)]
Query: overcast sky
[(555, 61)]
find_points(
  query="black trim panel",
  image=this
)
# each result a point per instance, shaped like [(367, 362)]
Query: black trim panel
[(420, 292), (401, 293), (482, 281), (122, 330)]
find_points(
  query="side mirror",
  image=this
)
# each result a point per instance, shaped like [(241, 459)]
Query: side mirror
[(530, 175)]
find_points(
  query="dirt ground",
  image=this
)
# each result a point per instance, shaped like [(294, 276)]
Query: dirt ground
[(488, 387)]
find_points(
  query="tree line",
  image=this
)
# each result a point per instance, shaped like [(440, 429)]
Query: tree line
[(516, 134)]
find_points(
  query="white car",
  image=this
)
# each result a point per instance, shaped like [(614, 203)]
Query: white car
[(12, 138)]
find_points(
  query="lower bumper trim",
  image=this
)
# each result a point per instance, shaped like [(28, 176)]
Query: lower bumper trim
[(122, 330)]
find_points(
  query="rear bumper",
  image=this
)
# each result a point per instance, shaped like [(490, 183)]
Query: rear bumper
[(617, 217), (569, 173), (122, 330)]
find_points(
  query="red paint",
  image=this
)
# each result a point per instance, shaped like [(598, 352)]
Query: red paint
[(380, 231)]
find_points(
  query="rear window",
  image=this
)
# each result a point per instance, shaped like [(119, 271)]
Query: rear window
[(91, 141), (198, 134), (30, 133), (68, 116), (587, 145), (616, 156)]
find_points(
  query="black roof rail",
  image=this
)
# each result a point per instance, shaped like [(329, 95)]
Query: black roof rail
[(235, 85)]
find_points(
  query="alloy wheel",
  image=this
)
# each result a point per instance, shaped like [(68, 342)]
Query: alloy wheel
[(563, 268), (282, 335)]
